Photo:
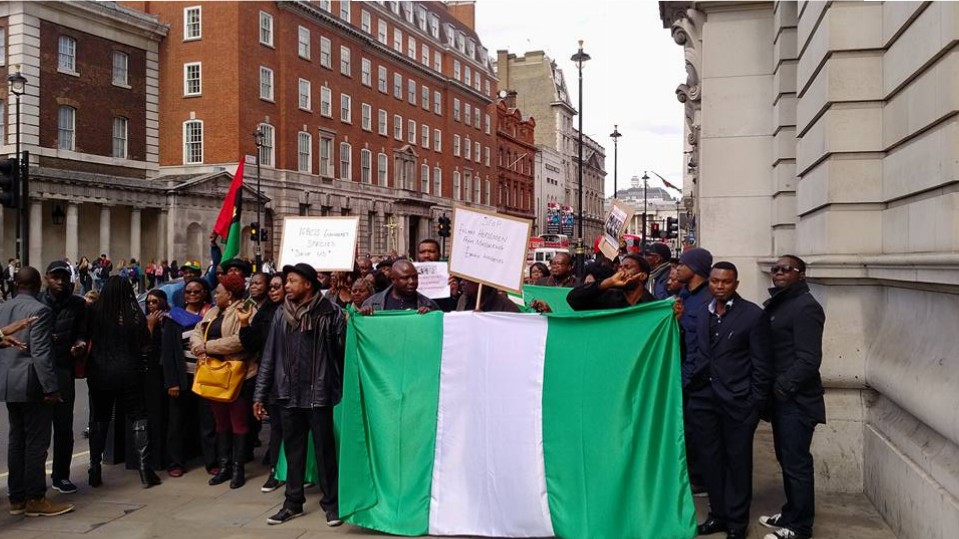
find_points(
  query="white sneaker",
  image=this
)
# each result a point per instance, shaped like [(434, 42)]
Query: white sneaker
[(785, 533), (771, 522)]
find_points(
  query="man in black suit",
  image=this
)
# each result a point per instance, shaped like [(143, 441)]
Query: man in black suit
[(731, 377), (796, 323)]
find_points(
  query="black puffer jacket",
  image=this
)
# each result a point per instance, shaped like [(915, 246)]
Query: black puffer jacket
[(69, 325)]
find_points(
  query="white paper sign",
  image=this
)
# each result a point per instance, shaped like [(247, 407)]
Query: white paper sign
[(326, 243), (616, 221), (489, 248), (434, 279)]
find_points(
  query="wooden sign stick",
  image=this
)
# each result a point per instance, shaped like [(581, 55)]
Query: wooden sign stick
[(479, 294)]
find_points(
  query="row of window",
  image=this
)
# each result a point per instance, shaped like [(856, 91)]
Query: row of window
[(67, 61), (67, 130)]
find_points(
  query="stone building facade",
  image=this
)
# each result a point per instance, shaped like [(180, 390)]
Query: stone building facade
[(829, 129), (515, 160)]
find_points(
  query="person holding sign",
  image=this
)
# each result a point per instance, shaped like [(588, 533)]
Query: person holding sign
[(402, 294), (428, 250), (625, 288)]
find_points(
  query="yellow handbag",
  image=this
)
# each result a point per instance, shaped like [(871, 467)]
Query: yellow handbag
[(218, 380)]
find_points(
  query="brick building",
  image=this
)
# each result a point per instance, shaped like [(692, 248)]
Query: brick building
[(515, 159), (373, 109)]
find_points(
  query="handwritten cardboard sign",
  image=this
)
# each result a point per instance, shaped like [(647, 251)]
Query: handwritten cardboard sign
[(326, 243), (489, 248), (616, 221), (434, 279)]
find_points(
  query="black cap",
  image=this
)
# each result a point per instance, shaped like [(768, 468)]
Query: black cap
[(238, 263), (304, 270), (660, 249), (59, 265)]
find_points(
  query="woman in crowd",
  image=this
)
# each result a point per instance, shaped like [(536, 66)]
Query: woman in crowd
[(361, 291), (340, 292), (154, 392), (86, 279), (536, 272), (188, 414), (218, 338), (120, 347), (253, 333)]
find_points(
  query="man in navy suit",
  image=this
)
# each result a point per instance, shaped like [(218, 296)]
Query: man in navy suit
[(731, 378)]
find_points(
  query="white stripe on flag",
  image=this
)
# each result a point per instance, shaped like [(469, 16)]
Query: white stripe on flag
[(488, 473)]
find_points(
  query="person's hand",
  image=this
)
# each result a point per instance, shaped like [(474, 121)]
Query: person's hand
[(10, 342), (199, 349), (243, 314), (153, 319), (423, 310), (52, 398), (173, 392), (616, 280), (213, 237), (678, 308), (259, 411), (454, 286), (540, 306), (78, 349), (19, 325), (366, 311)]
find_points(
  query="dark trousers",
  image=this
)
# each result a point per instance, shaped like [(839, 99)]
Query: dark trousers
[(30, 426), (297, 423), (63, 425), (692, 454), (725, 447), (190, 418), (276, 433), (102, 401), (792, 434)]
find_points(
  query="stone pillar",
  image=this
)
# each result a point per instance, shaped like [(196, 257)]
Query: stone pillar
[(72, 239), (105, 231), (135, 225), (161, 236), (36, 234)]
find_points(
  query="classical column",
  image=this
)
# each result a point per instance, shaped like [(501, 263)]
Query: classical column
[(135, 220), (36, 234), (162, 253), (105, 231), (72, 239)]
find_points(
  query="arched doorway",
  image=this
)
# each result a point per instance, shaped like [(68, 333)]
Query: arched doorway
[(195, 243)]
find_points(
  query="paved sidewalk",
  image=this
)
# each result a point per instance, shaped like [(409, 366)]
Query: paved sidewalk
[(188, 508)]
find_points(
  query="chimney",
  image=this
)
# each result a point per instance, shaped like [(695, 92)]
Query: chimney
[(464, 11), (510, 99), (502, 68)]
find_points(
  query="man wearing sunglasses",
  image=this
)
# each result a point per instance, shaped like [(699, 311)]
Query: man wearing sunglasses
[(796, 323)]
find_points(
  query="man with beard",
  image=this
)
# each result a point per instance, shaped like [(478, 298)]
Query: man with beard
[(402, 294), (625, 288)]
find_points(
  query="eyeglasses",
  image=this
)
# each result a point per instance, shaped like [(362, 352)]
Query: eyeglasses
[(153, 301), (276, 286), (192, 292), (783, 268)]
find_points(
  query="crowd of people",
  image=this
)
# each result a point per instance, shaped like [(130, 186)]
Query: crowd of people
[(283, 337)]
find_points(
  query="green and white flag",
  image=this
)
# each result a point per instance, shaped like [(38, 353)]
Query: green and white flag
[(515, 425)]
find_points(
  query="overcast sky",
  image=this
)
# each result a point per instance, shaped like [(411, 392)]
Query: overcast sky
[(631, 79)]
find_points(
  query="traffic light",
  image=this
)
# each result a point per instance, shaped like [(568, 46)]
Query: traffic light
[(672, 227), (264, 235), (9, 182), (254, 227), (444, 227), (654, 230)]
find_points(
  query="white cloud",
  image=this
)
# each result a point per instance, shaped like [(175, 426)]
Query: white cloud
[(630, 81)]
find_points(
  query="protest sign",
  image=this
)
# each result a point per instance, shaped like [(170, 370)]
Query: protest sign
[(326, 243), (489, 248), (434, 279), (616, 221)]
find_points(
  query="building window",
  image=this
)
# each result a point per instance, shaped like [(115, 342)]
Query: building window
[(120, 137), (3, 122), (269, 143), (191, 23), (345, 68), (425, 56), (488, 124), (411, 91), (303, 42), (487, 192), (382, 169), (68, 54), (425, 136), (398, 40), (438, 61), (457, 194), (476, 151), (456, 109), (266, 83), (381, 79), (366, 157), (425, 179), (411, 131), (304, 152), (366, 72), (437, 181), (437, 140), (468, 186), (66, 122), (486, 155), (486, 86), (467, 149), (305, 89), (381, 34), (367, 117), (192, 142), (476, 117), (411, 47), (121, 64), (437, 103), (345, 10), (266, 29), (397, 127), (382, 121), (191, 79), (366, 22), (476, 190), (467, 113), (397, 86), (326, 102), (456, 145), (346, 109), (456, 69), (425, 99), (434, 26), (326, 151), (325, 53), (467, 76), (346, 161)]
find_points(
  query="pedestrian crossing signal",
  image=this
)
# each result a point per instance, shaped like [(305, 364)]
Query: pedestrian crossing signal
[(9, 183)]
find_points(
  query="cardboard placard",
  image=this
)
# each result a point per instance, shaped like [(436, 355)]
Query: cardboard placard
[(489, 248), (434, 279), (616, 221), (326, 243)]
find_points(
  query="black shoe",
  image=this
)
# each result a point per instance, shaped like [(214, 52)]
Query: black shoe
[(333, 518), (272, 484), (284, 515), (772, 522), (64, 486), (711, 526), (239, 473), (224, 450), (141, 444), (736, 535)]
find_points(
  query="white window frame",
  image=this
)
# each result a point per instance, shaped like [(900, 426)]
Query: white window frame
[(411, 47), (486, 155), (457, 188), (383, 121), (268, 148), (366, 21), (187, 35), (467, 149), (121, 127), (67, 55), (398, 86), (437, 102), (304, 159), (267, 84), (476, 151), (305, 95), (326, 102), (121, 69), (489, 123), (345, 10), (411, 131), (467, 113), (326, 163), (346, 109), (398, 40), (437, 181), (425, 136), (346, 63), (366, 166), (425, 55), (437, 140), (326, 52), (303, 42), (187, 144), (366, 117), (411, 91), (382, 170), (456, 109), (476, 117), (346, 161), (366, 72), (266, 29), (382, 32), (467, 76), (187, 79), (397, 127), (425, 178), (438, 61), (382, 80), (467, 186), (456, 69), (425, 96), (456, 145)]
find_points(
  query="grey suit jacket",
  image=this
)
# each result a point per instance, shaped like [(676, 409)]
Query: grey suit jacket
[(27, 375)]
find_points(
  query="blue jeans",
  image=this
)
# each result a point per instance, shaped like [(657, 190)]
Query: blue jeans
[(792, 435)]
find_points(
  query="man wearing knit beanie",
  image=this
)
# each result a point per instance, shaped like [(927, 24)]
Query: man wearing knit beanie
[(698, 260)]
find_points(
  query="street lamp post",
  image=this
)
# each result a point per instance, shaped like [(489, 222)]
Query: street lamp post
[(258, 137), (579, 58), (18, 84), (615, 136), (645, 188)]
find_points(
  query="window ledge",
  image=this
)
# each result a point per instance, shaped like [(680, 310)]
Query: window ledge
[(124, 86), (267, 99), (185, 39), (66, 72)]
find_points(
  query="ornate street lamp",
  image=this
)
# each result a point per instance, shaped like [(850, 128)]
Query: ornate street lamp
[(615, 136), (645, 188), (258, 138), (18, 85), (579, 58)]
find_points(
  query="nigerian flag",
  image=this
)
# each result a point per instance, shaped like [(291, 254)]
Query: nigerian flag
[(515, 425)]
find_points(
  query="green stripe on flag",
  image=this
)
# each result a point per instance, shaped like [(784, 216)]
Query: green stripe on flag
[(554, 296), (232, 247), (388, 432), (613, 425)]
